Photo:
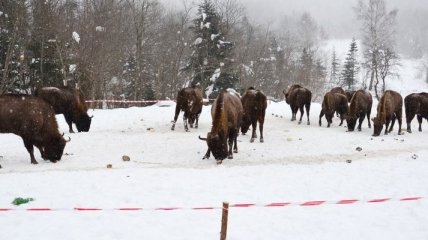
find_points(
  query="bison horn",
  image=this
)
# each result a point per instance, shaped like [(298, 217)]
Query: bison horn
[(91, 116), (69, 139), (204, 139)]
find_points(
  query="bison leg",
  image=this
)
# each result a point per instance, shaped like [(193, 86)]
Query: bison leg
[(368, 119), (207, 154), (301, 114), (293, 113), (69, 121), (30, 148), (261, 122), (420, 122), (321, 115), (360, 121), (308, 108), (253, 134), (177, 112), (197, 120), (392, 125), (409, 118), (185, 123)]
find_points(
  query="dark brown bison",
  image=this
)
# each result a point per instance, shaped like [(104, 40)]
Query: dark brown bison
[(359, 108), (254, 103), (334, 102), (69, 102), (189, 100), (389, 108), (416, 104), (349, 95), (226, 115), (298, 97), (34, 121)]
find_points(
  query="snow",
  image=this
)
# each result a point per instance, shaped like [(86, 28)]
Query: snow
[(197, 41), (296, 163), (72, 68), (76, 37), (100, 29)]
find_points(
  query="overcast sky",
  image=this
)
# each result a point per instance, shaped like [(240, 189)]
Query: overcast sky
[(336, 16)]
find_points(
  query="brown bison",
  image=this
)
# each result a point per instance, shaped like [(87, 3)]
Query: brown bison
[(69, 102), (189, 100), (416, 104), (349, 95), (334, 102), (254, 103), (361, 106), (226, 115), (34, 121), (298, 97), (389, 108)]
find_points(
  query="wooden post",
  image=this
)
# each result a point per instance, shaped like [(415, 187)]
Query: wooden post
[(224, 217)]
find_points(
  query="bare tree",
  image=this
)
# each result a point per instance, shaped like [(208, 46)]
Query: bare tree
[(378, 30)]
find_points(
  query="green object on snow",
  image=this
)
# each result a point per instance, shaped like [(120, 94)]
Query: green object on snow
[(19, 200)]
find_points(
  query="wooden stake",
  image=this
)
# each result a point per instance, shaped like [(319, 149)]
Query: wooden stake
[(224, 217)]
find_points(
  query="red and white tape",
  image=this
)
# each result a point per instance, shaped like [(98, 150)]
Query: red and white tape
[(123, 101), (235, 205)]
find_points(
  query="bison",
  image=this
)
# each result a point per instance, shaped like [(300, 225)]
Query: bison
[(254, 103), (298, 97), (334, 102), (34, 121), (69, 102), (226, 115), (360, 106), (389, 108), (189, 100), (416, 104)]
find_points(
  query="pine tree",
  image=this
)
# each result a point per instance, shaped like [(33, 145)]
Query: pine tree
[(350, 67), (334, 72), (211, 61)]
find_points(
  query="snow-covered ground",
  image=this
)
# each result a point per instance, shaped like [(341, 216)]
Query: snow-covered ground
[(296, 163)]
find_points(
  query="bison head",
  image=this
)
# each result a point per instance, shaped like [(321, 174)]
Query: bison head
[(218, 146), (246, 122), (83, 123), (377, 126), (351, 121), (53, 149)]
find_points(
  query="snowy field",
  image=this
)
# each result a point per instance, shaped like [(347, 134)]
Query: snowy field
[(296, 163)]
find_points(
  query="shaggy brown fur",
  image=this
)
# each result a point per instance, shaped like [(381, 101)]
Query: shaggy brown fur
[(338, 90), (334, 102), (254, 103), (189, 100), (389, 108), (416, 104), (298, 97), (34, 121), (227, 114), (361, 106), (69, 102)]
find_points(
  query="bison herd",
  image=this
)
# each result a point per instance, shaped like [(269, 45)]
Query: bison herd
[(32, 117)]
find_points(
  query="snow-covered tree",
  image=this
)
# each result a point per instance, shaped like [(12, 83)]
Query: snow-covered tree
[(212, 62)]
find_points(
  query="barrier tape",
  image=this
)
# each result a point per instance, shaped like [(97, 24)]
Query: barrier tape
[(124, 101), (135, 101), (236, 205)]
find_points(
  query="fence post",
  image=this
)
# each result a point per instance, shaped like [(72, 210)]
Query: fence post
[(224, 217)]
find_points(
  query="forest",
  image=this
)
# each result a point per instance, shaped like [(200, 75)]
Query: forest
[(146, 49)]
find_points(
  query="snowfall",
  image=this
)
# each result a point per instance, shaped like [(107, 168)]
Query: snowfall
[(296, 164)]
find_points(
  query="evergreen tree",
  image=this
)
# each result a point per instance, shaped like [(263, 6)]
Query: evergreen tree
[(350, 67), (334, 72), (211, 61)]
